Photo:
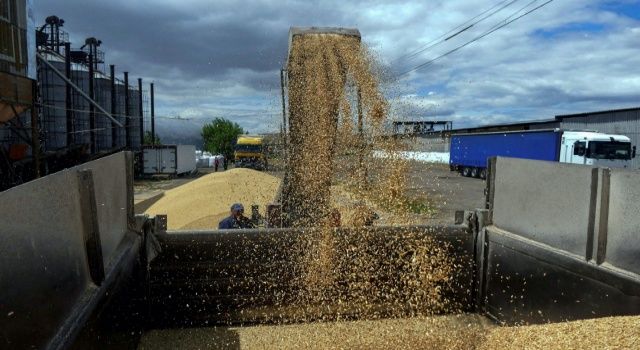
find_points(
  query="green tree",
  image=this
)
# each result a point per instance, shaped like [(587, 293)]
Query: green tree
[(148, 139), (220, 135)]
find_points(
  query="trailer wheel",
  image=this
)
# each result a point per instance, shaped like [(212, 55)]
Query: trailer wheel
[(466, 171), (474, 172), (483, 173)]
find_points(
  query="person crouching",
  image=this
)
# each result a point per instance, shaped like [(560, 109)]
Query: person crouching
[(236, 219)]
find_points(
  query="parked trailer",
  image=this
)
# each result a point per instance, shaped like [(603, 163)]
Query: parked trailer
[(470, 152), (98, 276), (169, 159)]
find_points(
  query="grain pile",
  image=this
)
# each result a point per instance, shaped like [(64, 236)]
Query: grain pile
[(438, 332), (202, 203), (621, 332)]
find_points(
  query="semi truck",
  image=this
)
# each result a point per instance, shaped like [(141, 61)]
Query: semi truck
[(250, 152), (470, 152)]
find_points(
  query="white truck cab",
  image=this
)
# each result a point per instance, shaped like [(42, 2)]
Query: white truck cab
[(594, 148)]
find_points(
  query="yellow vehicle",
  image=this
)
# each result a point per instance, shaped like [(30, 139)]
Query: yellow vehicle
[(250, 152)]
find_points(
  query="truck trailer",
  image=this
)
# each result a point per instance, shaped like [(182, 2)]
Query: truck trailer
[(169, 159), (470, 152)]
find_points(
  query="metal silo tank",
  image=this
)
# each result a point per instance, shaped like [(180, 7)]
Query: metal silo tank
[(81, 123), (53, 121), (121, 136), (134, 121), (103, 123)]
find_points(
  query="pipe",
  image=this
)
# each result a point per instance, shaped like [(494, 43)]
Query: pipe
[(68, 106), (92, 111), (35, 130), (75, 87), (127, 123), (153, 116), (114, 131), (140, 111)]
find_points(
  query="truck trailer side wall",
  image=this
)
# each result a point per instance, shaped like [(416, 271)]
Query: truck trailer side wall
[(169, 159), (475, 149)]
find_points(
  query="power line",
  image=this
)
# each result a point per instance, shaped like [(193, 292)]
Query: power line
[(458, 30), (495, 28)]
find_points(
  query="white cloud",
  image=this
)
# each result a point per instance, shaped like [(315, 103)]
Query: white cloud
[(222, 58)]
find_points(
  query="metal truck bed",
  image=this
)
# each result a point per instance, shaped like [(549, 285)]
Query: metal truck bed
[(82, 272)]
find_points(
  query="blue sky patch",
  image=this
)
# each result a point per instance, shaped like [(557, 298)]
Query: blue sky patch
[(582, 27), (629, 9)]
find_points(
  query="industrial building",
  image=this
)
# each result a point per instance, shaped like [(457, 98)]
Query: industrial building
[(619, 121), (61, 105)]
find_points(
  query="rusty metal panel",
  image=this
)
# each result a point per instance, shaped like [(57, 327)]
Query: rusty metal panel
[(15, 91)]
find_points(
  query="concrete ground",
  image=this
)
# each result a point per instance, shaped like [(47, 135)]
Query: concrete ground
[(447, 191)]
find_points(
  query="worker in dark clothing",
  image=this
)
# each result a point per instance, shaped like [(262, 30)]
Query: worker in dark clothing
[(236, 219)]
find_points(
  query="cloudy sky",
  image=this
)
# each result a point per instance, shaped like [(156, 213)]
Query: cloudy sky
[(222, 58)]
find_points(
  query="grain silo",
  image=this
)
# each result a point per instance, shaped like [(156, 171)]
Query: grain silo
[(103, 123), (79, 104), (134, 119), (121, 134), (53, 122)]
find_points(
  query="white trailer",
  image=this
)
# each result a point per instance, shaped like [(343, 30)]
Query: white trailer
[(169, 159)]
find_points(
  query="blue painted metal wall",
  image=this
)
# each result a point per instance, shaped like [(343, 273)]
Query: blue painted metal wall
[(474, 150)]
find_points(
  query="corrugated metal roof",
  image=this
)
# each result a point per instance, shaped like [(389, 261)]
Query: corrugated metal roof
[(518, 123), (634, 109)]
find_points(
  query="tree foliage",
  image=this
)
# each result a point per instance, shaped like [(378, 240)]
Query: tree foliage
[(220, 136), (148, 139)]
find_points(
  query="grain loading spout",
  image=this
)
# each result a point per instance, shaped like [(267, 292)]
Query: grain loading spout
[(299, 31), (304, 198)]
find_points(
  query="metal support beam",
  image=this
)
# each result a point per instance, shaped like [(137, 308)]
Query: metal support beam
[(140, 104), (93, 244), (153, 116), (92, 111), (77, 89), (127, 123), (68, 104), (35, 130), (114, 130)]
